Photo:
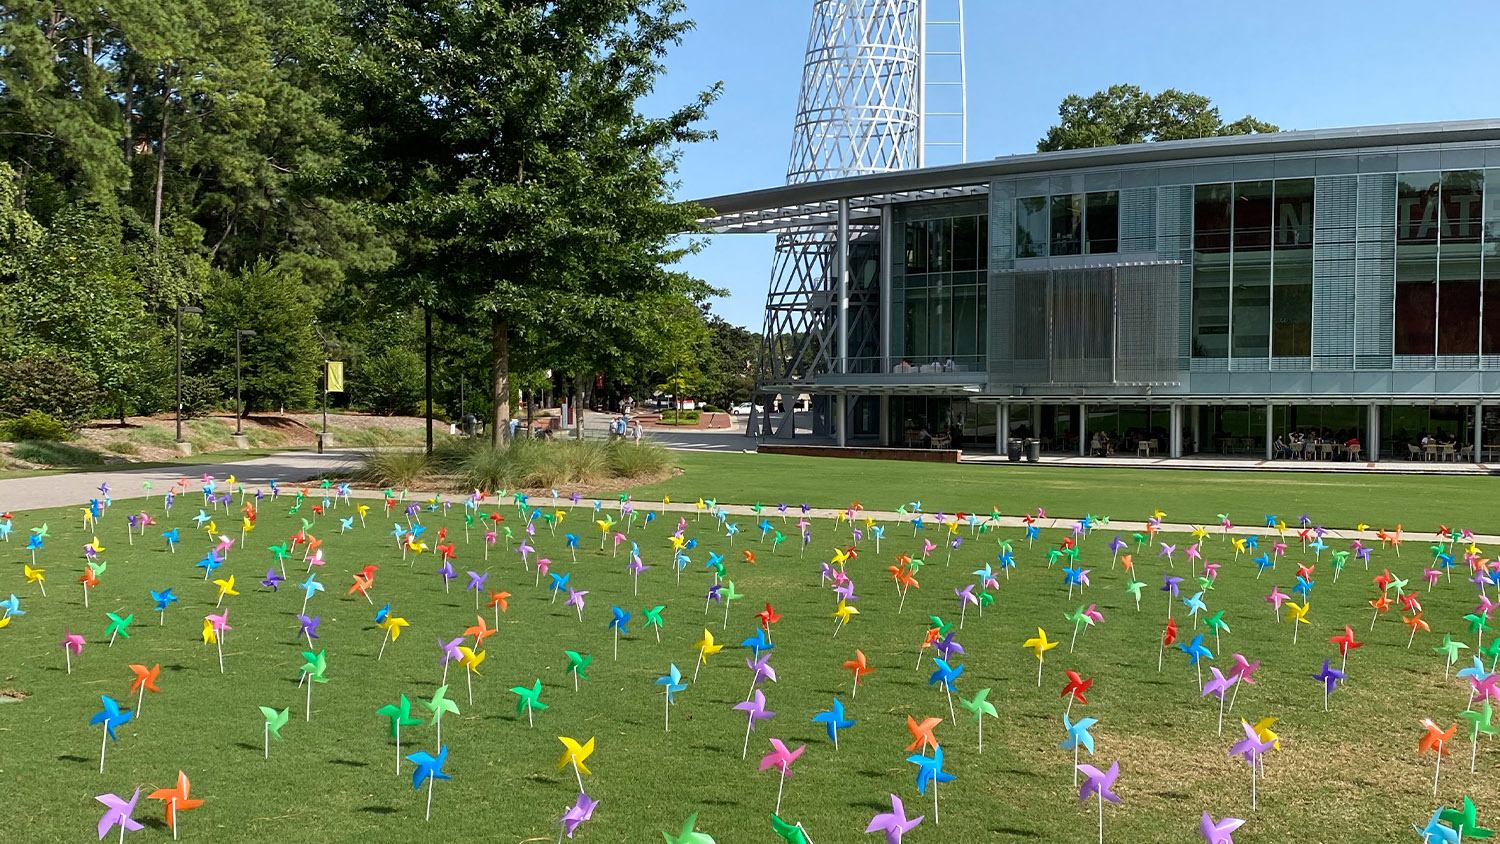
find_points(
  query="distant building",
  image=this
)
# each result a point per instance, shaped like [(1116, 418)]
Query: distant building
[(1212, 294)]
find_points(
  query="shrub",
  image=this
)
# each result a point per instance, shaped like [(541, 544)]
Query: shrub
[(631, 461), (393, 467), (200, 395), (151, 435), (712, 408), (33, 425), (123, 447), (55, 454), (679, 417), (390, 382), (50, 384)]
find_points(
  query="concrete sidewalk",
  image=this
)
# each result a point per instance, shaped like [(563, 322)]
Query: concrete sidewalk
[(79, 487)]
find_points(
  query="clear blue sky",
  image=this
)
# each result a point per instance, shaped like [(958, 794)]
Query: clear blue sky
[(1302, 65)]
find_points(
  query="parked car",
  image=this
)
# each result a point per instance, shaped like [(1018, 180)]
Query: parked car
[(742, 409)]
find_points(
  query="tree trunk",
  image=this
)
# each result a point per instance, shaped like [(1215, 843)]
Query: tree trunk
[(161, 159), (501, 350), (578, 383)]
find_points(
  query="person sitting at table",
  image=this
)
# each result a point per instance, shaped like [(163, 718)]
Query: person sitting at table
[(1351, 446)]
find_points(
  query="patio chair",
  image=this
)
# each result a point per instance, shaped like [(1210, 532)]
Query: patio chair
[(1412, 453)]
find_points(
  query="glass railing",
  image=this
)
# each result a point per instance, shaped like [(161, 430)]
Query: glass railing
[(971, 364)]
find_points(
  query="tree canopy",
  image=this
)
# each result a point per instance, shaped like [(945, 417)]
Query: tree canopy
[(1127, 114)]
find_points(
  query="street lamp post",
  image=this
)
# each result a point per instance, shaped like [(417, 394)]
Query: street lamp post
[(181, 309), (239, 409)]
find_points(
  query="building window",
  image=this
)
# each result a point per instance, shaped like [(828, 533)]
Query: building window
[(1490, 339), (1250, 307), (1459, 235), (1416, 263), (1292, 269), (1212, 213), (1101, 223), (1067, 224), (916, 248), (1031, 227)]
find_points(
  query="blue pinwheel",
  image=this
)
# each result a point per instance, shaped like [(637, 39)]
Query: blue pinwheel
[(834, 721), (758, 642), (430, 769), (930, 769), (945, 674), (202, 519), (163, 599), (172, 539), (1078, 735), (621, 618), (209, 563), (1196, 650), (12, 606), (673, 682)]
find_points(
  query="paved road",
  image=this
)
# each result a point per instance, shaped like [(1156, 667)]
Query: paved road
[(78, 488)]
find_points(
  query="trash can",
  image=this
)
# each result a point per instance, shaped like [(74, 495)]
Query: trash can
[(1034, 450), (1013, 449)]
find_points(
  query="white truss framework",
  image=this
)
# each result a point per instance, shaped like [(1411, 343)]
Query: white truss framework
[(860, 112)]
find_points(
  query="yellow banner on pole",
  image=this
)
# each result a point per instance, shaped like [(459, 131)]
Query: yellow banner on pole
[(334, 382)]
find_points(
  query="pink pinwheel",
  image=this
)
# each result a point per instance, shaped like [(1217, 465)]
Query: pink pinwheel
[(755, 709), (927, 547), (1488, 686), (1193, 552), (1276, 597), (1485, 606), (224, 545), (1211, 570), (781, 759), (72, 645), (1431, 576), (894, 823), (1093, 615)]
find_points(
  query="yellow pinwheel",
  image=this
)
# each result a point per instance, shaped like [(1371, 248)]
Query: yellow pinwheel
[(88, 516), (1158, 515), (210, 528), (246, 525), (392, 626), (1263, 732), (706, 648), (1199, 531), (209, 636), (843, 614), (575, 754), (35, 576), (98, 549), (469, 658), (1298, 615), (226, 587), (1040, 646)]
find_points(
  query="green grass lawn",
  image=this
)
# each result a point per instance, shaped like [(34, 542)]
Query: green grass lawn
[(1420, 502), (1351, 774)]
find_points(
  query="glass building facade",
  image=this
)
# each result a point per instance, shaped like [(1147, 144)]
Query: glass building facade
[(1207, 295)]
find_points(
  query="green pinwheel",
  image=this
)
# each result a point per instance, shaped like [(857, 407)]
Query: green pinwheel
[(941, 626), (1465, 822), (313, 671), (980, 706), (576, 664), (1449, 649), (274, 722), (726, 595), (653, 620), (1134, 587), (1217, 624), (117, 626), (1479, 721), (1205, 583), (688, 834), (791, 833), (1478, 623), (530, 700), (437, 706), (1080, 619), (400, 715)]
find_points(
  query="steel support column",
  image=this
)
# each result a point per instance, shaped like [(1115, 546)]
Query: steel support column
[(1372, 435), (1083, 430), (1269, 436), (841, 418), (841, 254), (1174, 438), (1002, 427), (887, 295)]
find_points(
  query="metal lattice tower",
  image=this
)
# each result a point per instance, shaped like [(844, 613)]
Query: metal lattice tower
[(861, 110)]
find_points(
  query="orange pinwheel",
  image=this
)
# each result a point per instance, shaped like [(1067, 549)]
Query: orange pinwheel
[(921, 734), (177, 799), (1414, 622), (480, 631), (1381, 604), (858, 666), (361, 585), (499, 599), (1435, 739), (369, 572), (145, 678), (749, 556), (89, 579), (313, 543), (1128, 562)]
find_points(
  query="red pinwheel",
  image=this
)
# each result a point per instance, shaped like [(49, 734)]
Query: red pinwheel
[(768, 617), (1076, 688)]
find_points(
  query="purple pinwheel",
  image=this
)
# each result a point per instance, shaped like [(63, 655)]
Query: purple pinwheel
[(755, 709), (476, 581), (272, 580), (1169, 584), (948, 646), (894, 823), (761, 667), (1221, 832), (118, 811), (1218, 684), (580, 812), (1250, 747), (1330, 678), (845, 592), (575, 599), (447, 573), (309, 627)]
